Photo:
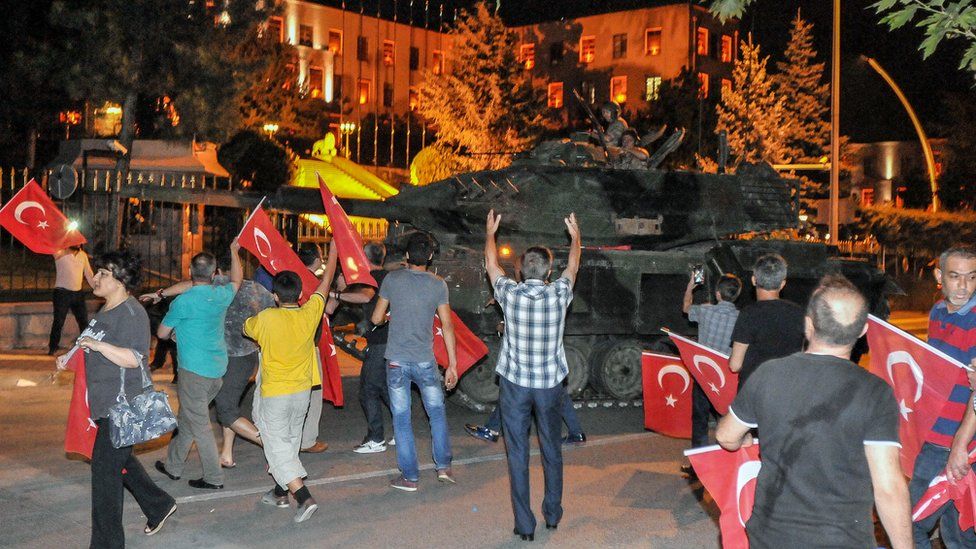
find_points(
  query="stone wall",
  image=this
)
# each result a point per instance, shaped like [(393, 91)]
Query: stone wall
[(28, 325)]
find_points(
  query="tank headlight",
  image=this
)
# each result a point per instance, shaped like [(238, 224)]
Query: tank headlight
[(505, 251)]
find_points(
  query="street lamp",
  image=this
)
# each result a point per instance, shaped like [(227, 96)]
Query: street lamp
[(347, 128), (270, 128)]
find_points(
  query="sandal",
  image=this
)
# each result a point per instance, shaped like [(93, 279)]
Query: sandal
[(150, 529), (228, 465)]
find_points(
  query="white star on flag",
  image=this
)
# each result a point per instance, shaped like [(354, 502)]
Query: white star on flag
[(903, 409), (713, 388), (670, 401), (332, 348), (42, 224), (440, 332)]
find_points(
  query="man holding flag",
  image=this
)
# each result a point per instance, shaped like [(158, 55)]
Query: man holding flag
[(829, 432), (952, 330)]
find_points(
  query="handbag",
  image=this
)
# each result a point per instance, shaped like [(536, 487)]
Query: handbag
[(148, 416)]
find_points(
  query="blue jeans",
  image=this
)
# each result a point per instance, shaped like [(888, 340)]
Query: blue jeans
[(569, 417), (399, 376), (929, 463), (517, 405)]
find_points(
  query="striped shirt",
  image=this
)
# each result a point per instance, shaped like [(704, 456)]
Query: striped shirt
[(955, 335), (532, 353)]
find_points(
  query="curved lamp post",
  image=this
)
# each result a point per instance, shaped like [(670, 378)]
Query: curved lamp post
[(922, 138)]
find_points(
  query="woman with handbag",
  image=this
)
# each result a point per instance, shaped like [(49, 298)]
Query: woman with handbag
[(116, 345)]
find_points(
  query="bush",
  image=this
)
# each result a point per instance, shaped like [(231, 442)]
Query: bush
[(918, 232), (434, 163), (251, 156)]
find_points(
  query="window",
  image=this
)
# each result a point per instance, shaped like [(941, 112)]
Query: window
[(414, 58), (363, 91), (618, 89), (555, 95), (619, 46), (726, 48), (305, 35), (588, 92), (652, 88), (701, 41), (527, 56), (273, 29), (413, 99), (388, 49), (362, 48), (387, 95), (556, 53), (315, 81), (587, 49), (702, 85), (335, 41), (652, 42), (726, 85), (438, 67), (292, 77)]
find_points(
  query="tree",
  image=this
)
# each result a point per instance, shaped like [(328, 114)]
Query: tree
[(679, 105), (254, 157), (957, 183), (488, 103), (752, 113), (801, 79)]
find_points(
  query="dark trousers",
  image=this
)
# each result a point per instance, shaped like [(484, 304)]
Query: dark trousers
[(373, 391), (569, 417), (65, 300), (107, 482), (517, 405), (701, 411)]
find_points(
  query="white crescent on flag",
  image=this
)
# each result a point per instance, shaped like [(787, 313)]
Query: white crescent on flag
[(747, 471), (26, 205), (673, 369), (259, 236), (702, 359), (903, 357)]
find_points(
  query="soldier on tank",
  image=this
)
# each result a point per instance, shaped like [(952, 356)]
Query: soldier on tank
[(630, 156), (615, 125)]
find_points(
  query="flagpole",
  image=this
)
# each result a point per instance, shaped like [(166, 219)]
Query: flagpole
[(254, 211)]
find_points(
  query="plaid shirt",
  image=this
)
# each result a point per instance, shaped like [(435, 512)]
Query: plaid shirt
[(715, 324), (532, 353)]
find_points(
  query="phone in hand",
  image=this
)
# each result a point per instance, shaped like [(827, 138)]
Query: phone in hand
[(698, 274)]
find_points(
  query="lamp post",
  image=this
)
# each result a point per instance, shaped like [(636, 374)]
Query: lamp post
[(835, 128), (271, 128), (347, 128), (922, 138)]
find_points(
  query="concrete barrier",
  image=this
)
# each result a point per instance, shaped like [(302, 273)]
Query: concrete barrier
[(27, 325)]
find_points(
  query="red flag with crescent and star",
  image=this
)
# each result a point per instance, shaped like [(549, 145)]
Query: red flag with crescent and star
[(468, 347), (710, 369), (32, 217), (346, 239), (260, 237), (730, 477), (962, 494), (667, 395), (79, 433), (922, 378)]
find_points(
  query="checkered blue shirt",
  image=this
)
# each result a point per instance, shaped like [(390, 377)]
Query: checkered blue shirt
[(715, 324), (532, 353)]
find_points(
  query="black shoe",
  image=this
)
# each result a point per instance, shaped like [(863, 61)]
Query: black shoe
[(200, 483), (161, 467), (482, 432), (525, 537), (578, 439), (551, 526)]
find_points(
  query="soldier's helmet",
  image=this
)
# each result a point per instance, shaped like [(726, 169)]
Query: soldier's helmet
[(631, 133), (613, 107)]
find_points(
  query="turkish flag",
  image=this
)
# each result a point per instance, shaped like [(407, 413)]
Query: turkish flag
[(79, 434), (468, 347), (260, 237), (922, 378), (667, 395), (37, 223), (710, 369), (730, 477), (941, 492), (346, 239)]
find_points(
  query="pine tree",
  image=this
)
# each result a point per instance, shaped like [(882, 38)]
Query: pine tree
[(752, 113), (487, 103), (800, 82)]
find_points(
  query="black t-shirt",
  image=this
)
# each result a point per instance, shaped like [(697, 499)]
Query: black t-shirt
[(376, 336), (815, 414), (125, 325), (772, 329)]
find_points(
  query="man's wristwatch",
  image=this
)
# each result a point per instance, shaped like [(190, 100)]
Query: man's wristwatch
[(159, 294), (337, 295)]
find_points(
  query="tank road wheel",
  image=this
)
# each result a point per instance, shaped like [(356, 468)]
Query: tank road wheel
[(579, 373), (477, 388), (617, 372)]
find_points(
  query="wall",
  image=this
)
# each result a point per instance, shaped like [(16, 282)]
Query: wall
[(28, 325)]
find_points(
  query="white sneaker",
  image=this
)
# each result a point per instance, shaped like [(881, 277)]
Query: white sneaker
[(370, 447), (392, 442)]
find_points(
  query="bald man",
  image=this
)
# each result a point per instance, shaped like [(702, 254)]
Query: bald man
[(829, 433)]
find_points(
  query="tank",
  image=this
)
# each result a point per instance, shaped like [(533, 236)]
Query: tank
[(643, 230)]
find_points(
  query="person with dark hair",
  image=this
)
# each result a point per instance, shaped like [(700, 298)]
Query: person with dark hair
[(531, 368), (117, 341), (952, 330), (71, 269), (197, 318), (769, 328), (715, 324), (413, 296), (289, 368), (631, 156), (312, 259), (829, 432)]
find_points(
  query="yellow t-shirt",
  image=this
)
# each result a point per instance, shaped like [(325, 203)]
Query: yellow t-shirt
[(289, 363)]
